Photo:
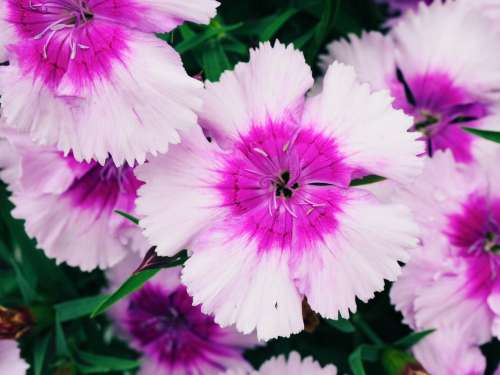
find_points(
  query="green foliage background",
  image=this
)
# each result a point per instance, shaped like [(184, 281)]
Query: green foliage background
[(66, 340)]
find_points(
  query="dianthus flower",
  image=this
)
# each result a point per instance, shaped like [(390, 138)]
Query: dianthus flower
[(271, 217), (90, 77), (441, 65)]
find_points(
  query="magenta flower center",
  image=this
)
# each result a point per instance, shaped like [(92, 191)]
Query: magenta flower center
[(66, 16), (284, 185), (440, 110), (103, 189), (173, 332), (78, 40), (475, 234)]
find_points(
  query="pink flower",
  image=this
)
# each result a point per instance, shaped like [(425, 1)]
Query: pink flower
[(10, 359), (449, 351), (441, 65), (294, 365), (271, 218), (174, 336), (455, 277), (88, 76), (69, 206)]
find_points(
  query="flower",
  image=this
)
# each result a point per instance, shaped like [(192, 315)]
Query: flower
[(173, 335), (90, 78), (449, 351), (10, 359), (69, 206), (291, 366), (441, 65), (274, 206), (455, 277)]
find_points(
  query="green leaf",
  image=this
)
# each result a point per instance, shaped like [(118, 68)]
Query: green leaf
[(486, 134), (214, 61), (276, 23), (413, 338), (356, 361), (370, 179), (94, 363), (328, 17), (77, 308), (133, 283), (342, 325), (128, 217), (303, 40), (61, 344), (39, 354), (364, 352), (26, 287), (215, 29)]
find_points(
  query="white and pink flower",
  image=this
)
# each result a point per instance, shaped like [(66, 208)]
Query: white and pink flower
[(69, 206), (441, 65), (90, 77), (454, 279), (271, 218)]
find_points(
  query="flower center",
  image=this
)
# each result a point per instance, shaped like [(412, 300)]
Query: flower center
[(283, 184), (167, 327), (282, 188), (64, 15), (440, 109)]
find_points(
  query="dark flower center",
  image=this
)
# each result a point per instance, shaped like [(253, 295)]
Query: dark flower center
[(282, 187)]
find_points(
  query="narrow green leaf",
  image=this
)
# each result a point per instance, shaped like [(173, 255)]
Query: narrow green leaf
[(214, 61), (303, 40), (101, 363), (276, 24), (25, 287), (133, 283), (356, 362), (186, 32), (370, 179), (39, 354), (215, 29), (77, 308), (342, 325), (486, 134), (128, 217), (231, 44), (413, 338), (61, 344)]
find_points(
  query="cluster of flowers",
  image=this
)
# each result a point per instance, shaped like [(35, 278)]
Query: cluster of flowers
[(256, 175)]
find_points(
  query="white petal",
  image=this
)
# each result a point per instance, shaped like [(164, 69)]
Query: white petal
[(137, 111), (238, 284), (371, 55), (452, 38), (449, 351), (371, 134), (69, 234), (271, 86), (354, 261), (177, 199), (11, 362)]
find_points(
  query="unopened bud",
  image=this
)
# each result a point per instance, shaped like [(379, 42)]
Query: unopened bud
[(14, 323)]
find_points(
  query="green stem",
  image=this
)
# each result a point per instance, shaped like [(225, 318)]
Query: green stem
[(366, 330)]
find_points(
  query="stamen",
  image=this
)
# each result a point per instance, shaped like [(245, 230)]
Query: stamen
[(288, 208), (73, 15), (261, 151)]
